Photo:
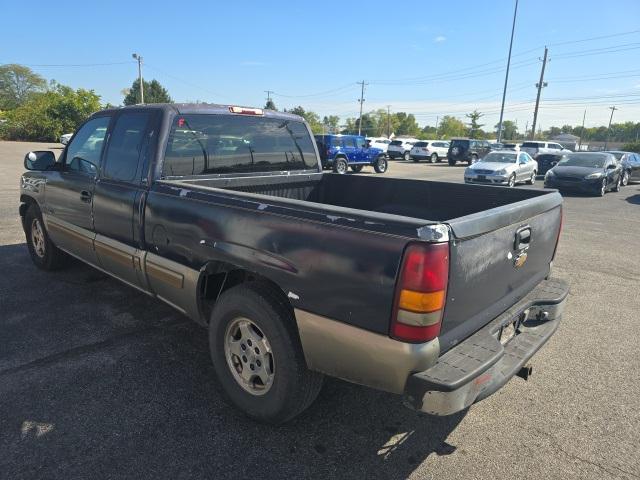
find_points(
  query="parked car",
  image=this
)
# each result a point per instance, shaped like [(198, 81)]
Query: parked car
[(401, 148), (630, 163), (467, 150), (591, 172), (538, 148), (546, 161), (503, 168), (296, 273), (432, 150), (379, 142), (343, 151), (64, 139)]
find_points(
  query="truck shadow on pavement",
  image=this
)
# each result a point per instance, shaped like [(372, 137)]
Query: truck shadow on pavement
[(98, 380)]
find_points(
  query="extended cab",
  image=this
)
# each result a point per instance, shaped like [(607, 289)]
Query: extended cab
[(440, 292)]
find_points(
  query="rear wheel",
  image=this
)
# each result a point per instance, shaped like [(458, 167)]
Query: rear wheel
[(512, 180), (618, 185), (340, 165), (415, 159), (44, 253), (257, 355), (406, 156), (381, 164), (625, 178), (452, 162), (434, 158)]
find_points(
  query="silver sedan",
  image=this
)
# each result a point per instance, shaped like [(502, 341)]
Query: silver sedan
[(503, 167)]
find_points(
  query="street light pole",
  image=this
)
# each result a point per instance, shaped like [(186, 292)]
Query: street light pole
[(140, 83), (582, 130), (506, 76), (613, 109)]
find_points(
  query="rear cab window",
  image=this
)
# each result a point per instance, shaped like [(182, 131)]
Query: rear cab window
[(201, 144)]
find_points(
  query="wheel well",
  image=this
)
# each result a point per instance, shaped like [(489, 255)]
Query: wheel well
[(25, 202), (218, 278)]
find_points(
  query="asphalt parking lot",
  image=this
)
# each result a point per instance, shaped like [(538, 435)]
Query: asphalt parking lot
[(99, 381)]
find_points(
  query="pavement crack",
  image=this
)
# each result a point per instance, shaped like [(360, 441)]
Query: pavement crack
[(89, 348)]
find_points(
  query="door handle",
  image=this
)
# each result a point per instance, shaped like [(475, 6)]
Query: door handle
[(523, 238), (85, 196)]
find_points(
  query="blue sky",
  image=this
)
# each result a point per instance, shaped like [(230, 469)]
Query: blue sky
[(312, 54)]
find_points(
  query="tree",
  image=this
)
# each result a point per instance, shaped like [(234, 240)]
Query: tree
[(407, 124), (270, 105), (312, 118), (450, 127), (47, 115), (475, 128), (509, 129), (331, 123), (153, 93), (17, 83)]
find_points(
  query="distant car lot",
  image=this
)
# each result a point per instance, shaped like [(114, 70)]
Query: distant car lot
[(97, 380)]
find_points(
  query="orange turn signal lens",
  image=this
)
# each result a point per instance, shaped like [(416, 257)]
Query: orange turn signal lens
[(420, 301)]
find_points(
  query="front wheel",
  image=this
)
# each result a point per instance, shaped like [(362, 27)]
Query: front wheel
[(44, 254), (532, 180), (618, 185), (340, 165), (381, 164), (356, 168), (257, 355), (603, 188), (512, 180), (406, 156), (473, 159)]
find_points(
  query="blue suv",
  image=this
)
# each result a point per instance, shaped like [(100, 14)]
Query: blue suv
[(343, 151)]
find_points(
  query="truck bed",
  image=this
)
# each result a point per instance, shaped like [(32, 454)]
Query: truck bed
[(482, 282)]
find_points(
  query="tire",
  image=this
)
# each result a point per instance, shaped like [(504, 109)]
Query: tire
[(381, 164), (340, 165), (271, 326), (452, 162), (473, 159), (603, 188), (618, 185), (44, 254), (625, 179), (512, 181), (532, 180), (357, 168), (406, 156), (433, 158)]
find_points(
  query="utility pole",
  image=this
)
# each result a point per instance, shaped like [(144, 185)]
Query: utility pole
[(613, 109), (437, 122), (506, 76), (268, 92), (526, 127), (141, 84), (540, 84), (584, 115), (361, 102), (388, 121)]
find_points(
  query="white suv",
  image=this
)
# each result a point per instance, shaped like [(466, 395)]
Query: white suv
[(432, 150), (379, 142), (538, 148), (401, 148)]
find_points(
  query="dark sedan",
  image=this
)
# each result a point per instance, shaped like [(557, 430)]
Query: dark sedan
[(594, 173), (630, 165), (546, 161)]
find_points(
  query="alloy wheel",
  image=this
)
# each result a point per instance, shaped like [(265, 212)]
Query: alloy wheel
[(37, 238)]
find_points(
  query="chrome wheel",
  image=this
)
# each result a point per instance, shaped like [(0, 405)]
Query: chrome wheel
[(37, 238), (249, 356), (434, 157), (625, 179), (512, 181), (603, 188), (382, 165), (341, 166)]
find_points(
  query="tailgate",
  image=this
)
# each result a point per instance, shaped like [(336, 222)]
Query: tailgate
[(485, 278)]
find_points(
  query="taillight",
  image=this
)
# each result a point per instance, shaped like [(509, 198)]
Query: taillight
[(421, 292), (555, 249), (246, 111)]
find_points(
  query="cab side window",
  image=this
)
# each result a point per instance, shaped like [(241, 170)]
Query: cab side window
[(126, 146), (83, 153), (360, 142)]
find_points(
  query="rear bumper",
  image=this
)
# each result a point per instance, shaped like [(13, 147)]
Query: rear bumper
[(481, 365), (395, 154)]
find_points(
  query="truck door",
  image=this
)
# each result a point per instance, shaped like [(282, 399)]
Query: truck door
[(69, 191), (119, 197), (349, 148), (362, 153)]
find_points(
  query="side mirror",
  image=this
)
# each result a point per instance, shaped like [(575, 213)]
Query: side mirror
[(611, 167), (39, 160)]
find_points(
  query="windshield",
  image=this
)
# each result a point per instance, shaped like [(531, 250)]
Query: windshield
[(203, 144), (531, 144), (583, 160), (501, 157)]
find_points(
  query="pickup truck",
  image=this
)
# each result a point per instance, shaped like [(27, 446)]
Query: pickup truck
[(439, 292)]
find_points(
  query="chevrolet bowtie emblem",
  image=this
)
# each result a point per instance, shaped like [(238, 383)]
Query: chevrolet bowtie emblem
[(520, 260)]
